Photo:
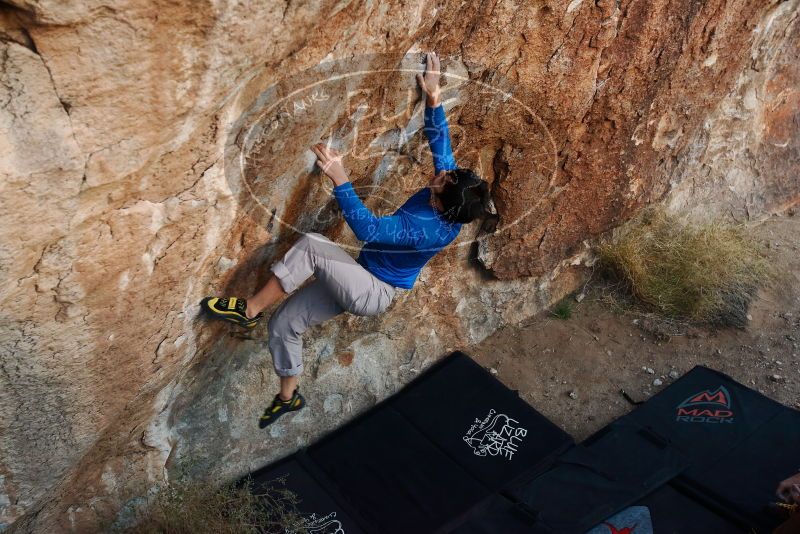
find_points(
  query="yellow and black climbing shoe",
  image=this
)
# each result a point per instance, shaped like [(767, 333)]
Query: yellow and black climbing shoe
[(280, 407), (229, 309)]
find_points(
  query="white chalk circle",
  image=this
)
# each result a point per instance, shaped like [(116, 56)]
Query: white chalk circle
[(263, 132)]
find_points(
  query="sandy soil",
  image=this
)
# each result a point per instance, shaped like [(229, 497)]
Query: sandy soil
[(603, 349)]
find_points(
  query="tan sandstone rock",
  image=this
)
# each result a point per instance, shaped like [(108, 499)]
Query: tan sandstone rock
[(152, 153)]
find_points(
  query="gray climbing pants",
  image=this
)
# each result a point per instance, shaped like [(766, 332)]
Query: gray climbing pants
[(341, 284)]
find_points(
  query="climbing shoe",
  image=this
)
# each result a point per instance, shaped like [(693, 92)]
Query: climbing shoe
[(229, 309), (280, 407)]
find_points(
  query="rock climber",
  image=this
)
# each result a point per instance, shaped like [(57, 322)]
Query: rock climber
[(396, 248)]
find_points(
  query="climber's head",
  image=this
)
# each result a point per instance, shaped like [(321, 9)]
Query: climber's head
[(463, 197)]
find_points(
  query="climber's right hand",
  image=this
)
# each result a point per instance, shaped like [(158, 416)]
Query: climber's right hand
[(429, 81), (330, 161)]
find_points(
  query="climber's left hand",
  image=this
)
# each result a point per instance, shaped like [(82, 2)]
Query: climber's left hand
[(330, 161)]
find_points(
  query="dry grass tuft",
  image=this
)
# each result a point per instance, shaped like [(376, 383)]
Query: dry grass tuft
[(562, 310), (190, 507), (705, 273)]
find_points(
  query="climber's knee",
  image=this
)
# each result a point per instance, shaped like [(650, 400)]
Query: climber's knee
[(288, 321), (312, 241), (315, 236), (278, 325)]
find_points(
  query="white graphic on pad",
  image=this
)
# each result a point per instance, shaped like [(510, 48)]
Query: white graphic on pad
[(496, 435), (327, 524)]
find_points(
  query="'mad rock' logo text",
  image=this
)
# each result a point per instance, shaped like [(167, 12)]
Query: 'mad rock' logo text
[(496, 435), (706, 407)]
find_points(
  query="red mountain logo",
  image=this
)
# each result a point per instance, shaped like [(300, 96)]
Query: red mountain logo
[(614, 530), (719, 396), (706, 407)]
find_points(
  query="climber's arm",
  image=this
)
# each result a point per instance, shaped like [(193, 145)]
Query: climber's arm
[(394, 229), (391, 229), (439, 139), (436, 128)]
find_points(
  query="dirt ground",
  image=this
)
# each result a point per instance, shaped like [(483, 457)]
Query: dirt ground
[(573, 370)]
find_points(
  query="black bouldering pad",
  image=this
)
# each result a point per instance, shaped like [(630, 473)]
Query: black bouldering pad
[(667, 511), (499, 515), (743, 480), (427, 458), (456, 451), (320, 511), (480, 423), (599, 477), (394, 476), (704, 413)]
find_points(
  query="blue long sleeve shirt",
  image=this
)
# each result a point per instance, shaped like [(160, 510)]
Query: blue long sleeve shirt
[(397, 246)]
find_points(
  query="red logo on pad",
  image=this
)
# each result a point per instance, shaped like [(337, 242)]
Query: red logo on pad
[(706, 407), (614, 530)]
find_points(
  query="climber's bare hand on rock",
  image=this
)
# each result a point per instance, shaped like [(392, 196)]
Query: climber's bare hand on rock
[(330, 161), (429, 82)]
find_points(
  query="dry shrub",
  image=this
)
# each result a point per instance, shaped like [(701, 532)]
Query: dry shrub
[(706, 273), (562, 310), (190, 507)]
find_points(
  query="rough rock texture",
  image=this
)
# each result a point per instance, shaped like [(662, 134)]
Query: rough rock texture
[(155, 152)]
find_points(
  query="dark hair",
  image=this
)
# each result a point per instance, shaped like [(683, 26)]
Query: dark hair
[(465, 197)]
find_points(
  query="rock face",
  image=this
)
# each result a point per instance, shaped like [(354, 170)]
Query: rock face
[(156, 152)]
